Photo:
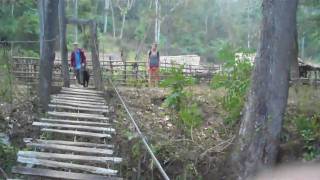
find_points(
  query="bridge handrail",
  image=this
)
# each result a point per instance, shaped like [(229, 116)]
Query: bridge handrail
[(163, 173)]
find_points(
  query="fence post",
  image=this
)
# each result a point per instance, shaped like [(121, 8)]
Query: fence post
[(111, 65), (95, 56), (165, 65), (125, 70), (123, 58), (137, 71)]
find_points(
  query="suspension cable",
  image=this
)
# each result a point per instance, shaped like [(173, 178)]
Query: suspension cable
[(163, 173), (35, 41)]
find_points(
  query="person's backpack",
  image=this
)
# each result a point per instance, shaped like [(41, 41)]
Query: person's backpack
[(154, 60)]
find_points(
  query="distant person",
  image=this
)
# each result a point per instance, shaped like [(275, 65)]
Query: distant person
[(78, 62), (153, 65)]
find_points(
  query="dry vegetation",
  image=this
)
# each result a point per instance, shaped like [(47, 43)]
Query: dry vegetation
[(201, 153)]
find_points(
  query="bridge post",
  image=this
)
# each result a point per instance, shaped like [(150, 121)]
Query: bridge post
[(95, 56), (63, 44), (48, 20)]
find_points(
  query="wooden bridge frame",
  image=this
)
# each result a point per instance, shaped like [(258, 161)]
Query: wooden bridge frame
[(63, 21)]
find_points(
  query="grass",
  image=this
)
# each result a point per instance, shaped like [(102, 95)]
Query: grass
[(7, 157), (302, 119), (305, 99)]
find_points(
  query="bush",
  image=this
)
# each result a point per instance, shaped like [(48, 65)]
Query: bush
[(5, 78), (235, 78), (309, 130), (191, 116), (7, 156), (181, 101), (176, 81)]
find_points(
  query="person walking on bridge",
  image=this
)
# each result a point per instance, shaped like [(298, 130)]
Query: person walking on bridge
[(153, 65), (78, 62)]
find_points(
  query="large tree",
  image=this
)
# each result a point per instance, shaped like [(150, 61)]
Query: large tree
[(48, 11), (63, 44), (258, 140)]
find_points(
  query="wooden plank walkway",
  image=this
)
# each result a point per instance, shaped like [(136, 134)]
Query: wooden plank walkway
[(78, 143)]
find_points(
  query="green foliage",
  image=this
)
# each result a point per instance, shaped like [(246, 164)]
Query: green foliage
[(235, 78), (225, 51), (28, 53), (191, 116), (19, 19), (7, 156), (176, 81), (136, 150), (5, 78), (180, 100), (309, 130), (308, 22)]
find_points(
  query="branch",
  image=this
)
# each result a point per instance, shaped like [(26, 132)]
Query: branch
[(172, 10), (4, 173), (78, 21), (176, 5)]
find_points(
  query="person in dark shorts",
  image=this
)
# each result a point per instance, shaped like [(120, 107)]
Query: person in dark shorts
[(78, 62)]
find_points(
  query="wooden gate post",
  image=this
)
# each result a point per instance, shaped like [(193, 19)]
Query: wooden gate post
[(48, 20), (95, 56), (111, 66), (63, 44), (125, 71)]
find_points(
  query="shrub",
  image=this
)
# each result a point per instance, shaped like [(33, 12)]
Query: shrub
[(181, 101), (235, 78), (191, 116), (5, 78), (176, 81), (308, 129), (7, 156)]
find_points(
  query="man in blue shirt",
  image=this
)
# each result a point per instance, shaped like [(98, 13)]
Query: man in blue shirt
[(78, 62)]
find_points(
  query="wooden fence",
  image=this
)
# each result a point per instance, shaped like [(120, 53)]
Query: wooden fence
[(26, 69)]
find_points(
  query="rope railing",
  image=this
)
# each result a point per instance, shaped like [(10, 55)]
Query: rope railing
[(20, 41), (156, 161)]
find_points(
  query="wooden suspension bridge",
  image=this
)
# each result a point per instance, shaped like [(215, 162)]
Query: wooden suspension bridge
[(77, 132), (79, 139)]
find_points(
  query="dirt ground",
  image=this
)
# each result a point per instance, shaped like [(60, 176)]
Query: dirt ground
[(15, 123), (184, 155), (201, 154), (196, 155)]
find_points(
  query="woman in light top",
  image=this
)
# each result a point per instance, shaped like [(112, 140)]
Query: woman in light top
[(154, 65)]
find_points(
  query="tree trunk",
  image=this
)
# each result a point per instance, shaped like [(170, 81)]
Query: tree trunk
[(158, 31), (95, 57), (63, 44), (206, 18), (294, 72), (249, 27), (105, 27), (48, 21), (12, 10), (156, 24), (258, 140), (106, 8), (142, 42), (122, 26), (294, 69), (75, 16), (113, 22), (302, 45)]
